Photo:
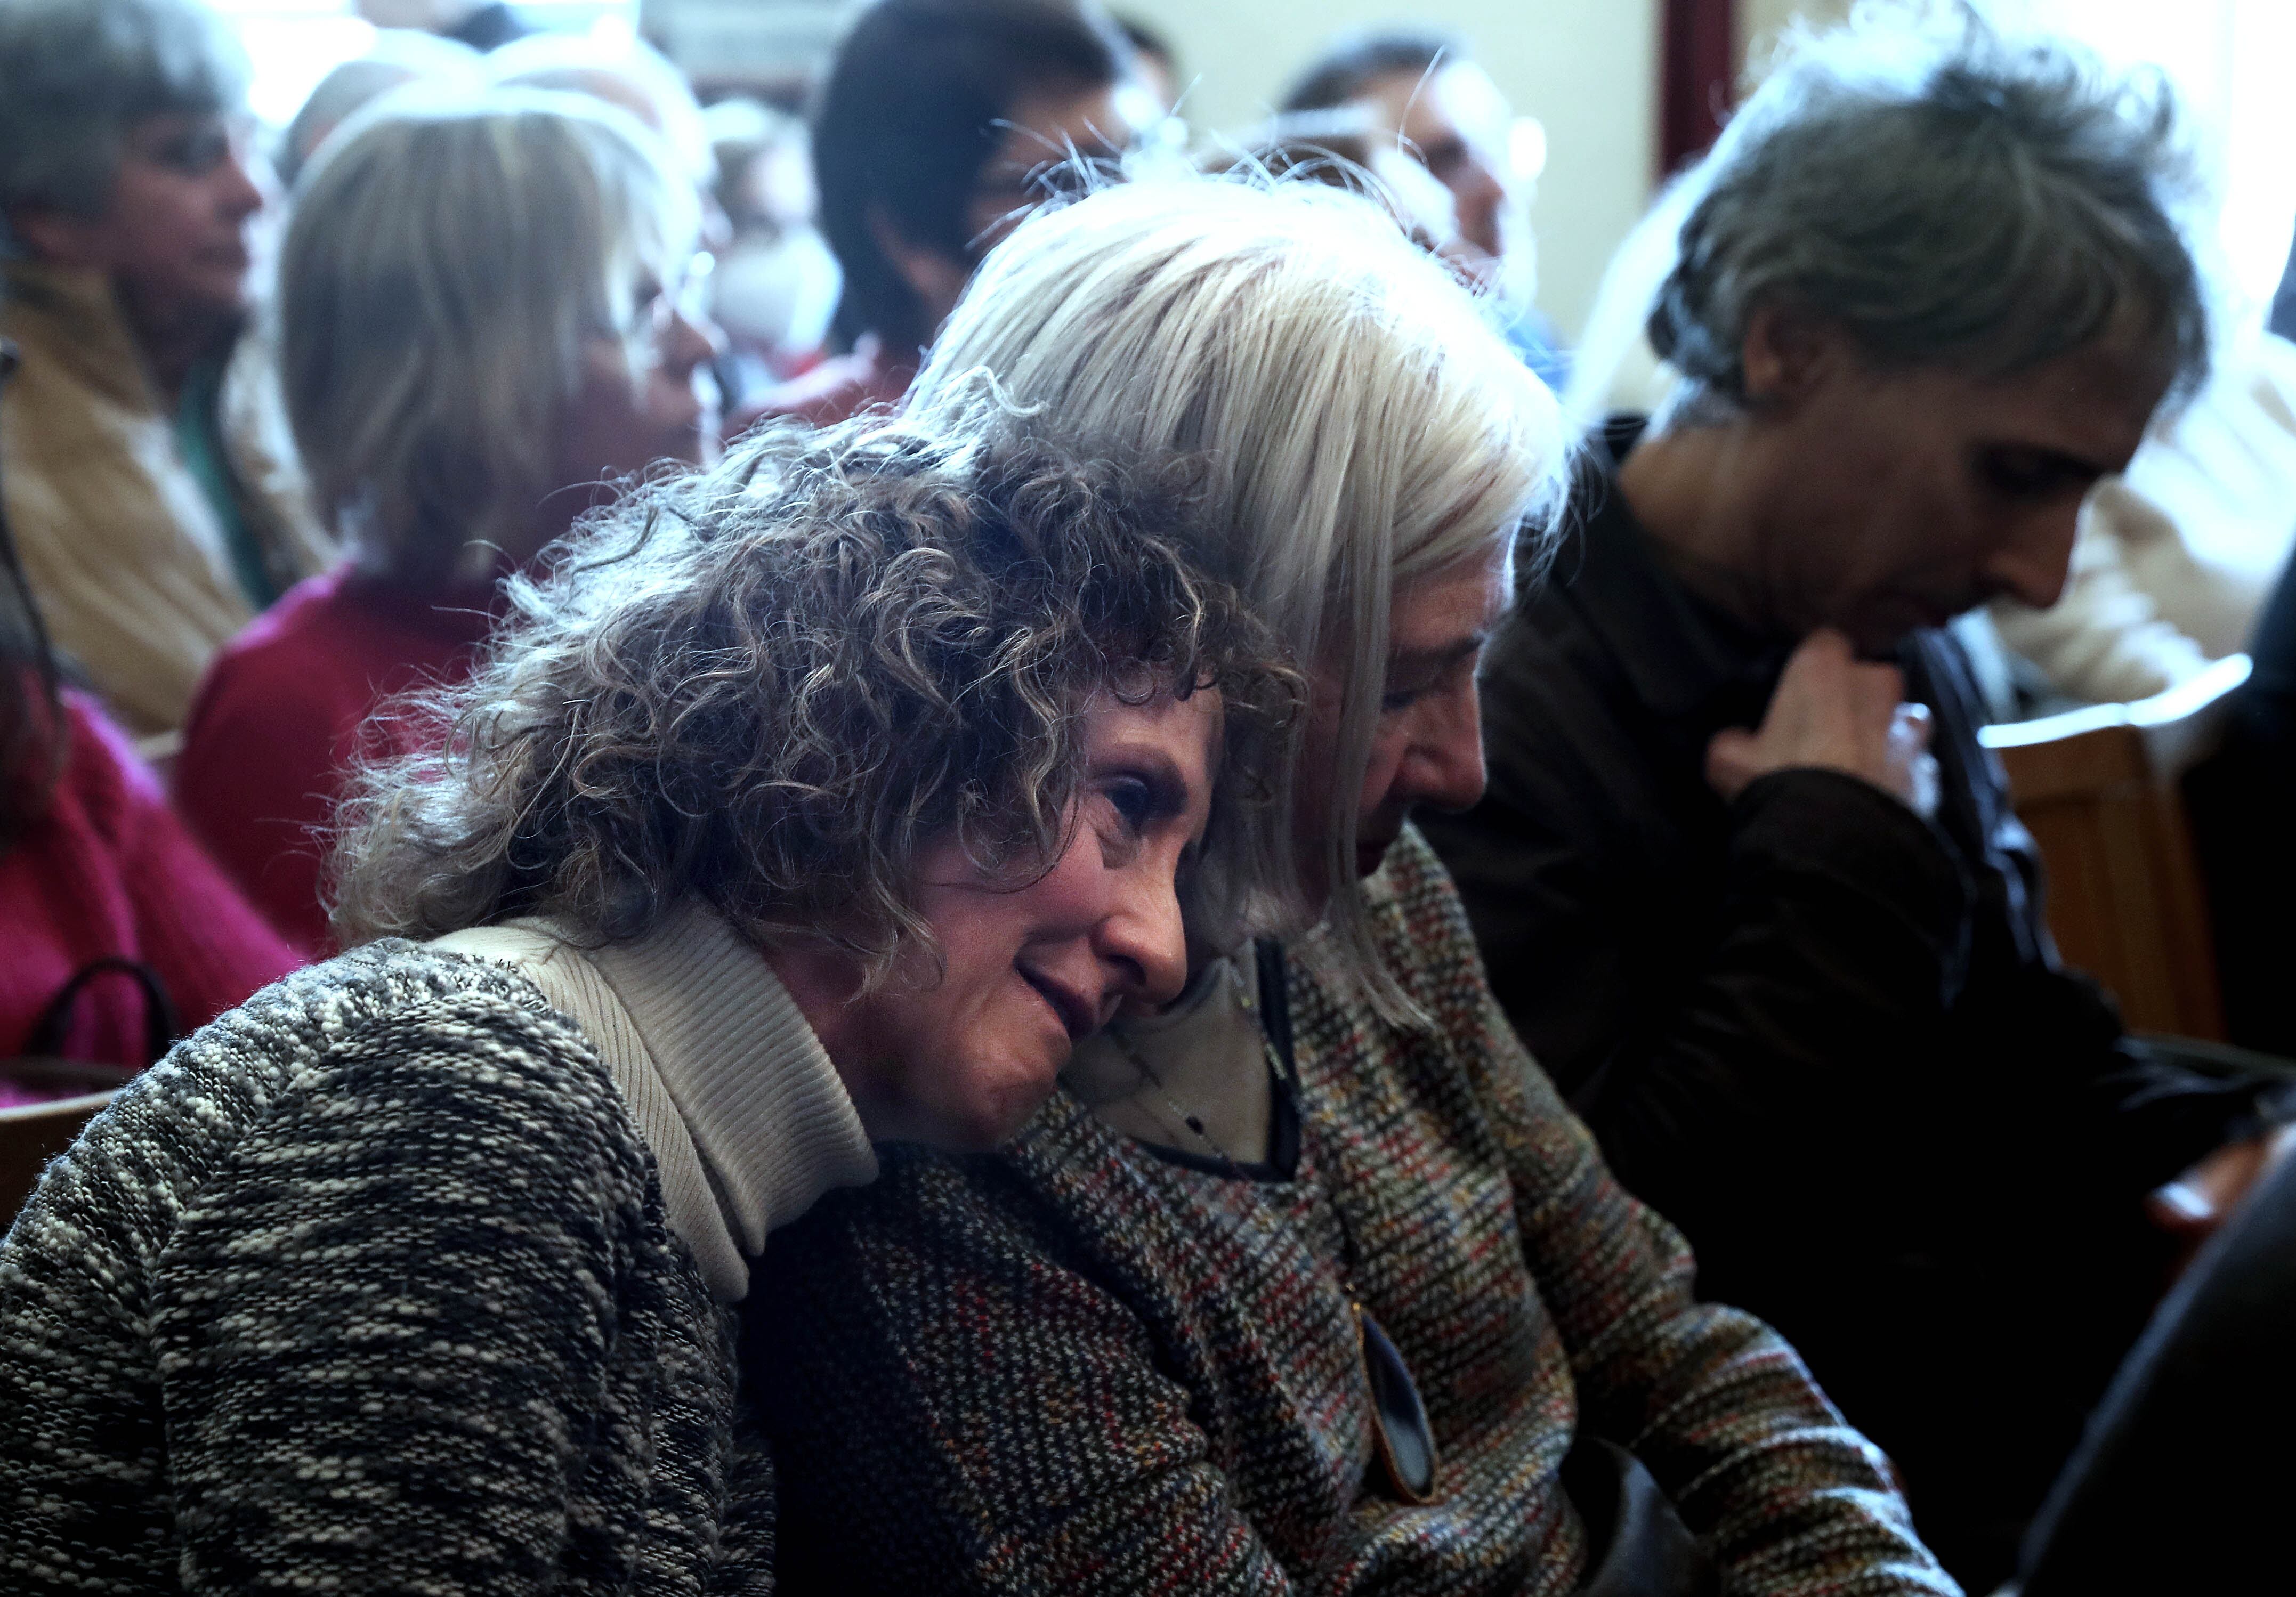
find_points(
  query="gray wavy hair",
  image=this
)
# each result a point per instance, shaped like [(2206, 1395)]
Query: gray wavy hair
[(79, 73), (1951, 197), (771, 686)]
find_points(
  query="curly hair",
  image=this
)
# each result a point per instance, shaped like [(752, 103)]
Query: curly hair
[(771, 685)]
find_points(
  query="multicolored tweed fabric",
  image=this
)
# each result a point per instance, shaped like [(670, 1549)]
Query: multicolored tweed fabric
[(366, 1287), (1077, 1367)]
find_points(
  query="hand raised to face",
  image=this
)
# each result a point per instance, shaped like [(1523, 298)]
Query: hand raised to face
[(1834, 712)]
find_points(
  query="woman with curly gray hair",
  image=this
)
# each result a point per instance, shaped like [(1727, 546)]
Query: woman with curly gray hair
[(824, 798)]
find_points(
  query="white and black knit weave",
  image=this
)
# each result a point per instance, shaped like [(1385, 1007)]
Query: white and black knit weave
[(366, 1287)]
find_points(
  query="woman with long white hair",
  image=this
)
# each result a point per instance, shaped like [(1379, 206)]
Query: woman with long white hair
[(1309, 1282)]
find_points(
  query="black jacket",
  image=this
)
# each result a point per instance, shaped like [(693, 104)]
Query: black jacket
[(1828, 1039)]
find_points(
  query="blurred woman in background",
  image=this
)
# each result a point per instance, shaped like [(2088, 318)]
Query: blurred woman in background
[(152, 506), (485, 321), (119, 933), (930, 133)]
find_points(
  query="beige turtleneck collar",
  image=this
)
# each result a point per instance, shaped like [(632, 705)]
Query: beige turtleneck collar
[(1206, 1056), (735, 1097)]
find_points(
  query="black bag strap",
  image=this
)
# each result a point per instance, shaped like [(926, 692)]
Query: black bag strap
[(162, 1025), (1275, 1001)]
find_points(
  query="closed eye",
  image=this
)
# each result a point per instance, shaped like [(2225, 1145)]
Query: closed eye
[(1444, 158), (1140, 800), (2027, 474), (195, 153), (1410, 681)]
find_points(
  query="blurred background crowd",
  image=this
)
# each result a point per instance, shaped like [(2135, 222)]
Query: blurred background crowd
[(310, 364)]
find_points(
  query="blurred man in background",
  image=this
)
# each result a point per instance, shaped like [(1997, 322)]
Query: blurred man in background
[(398, 57), (481, 24), (936, 123), (632, 74), (1423, 92), (776, 284)]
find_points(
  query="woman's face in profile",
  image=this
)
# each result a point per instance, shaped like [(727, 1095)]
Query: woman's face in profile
[(1033, 970), (647, 394), (1427, 746)]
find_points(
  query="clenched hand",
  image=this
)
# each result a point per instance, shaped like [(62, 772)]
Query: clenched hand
[(1834, 712)]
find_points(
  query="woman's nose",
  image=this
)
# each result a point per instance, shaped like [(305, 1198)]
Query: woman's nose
[(691, 341), (240, 189), (1146, 939), (1443, 765)]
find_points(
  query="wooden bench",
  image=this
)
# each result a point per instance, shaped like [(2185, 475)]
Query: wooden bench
[(33, 1134), (2098, 788)]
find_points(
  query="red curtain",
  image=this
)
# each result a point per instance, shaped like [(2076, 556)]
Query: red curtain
[(1697, 64)]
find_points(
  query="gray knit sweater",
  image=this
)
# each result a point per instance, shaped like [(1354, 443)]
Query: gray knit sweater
[(368, 1288)]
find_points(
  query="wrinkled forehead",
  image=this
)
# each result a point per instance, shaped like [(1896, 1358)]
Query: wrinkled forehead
[(2093, 404), (1452, 609)]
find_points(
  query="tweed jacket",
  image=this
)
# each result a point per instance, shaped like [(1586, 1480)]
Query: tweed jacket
[(367, 1288), (1082, 1364), (124, 554)]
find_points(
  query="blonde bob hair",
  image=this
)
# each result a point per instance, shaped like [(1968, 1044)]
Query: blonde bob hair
[(1363, 427), (450, 259)]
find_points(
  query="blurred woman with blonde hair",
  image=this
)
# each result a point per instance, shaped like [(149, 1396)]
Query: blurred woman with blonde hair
[(1309, 1282), (486, 320)]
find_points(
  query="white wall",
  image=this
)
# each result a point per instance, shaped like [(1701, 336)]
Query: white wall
[(1587, 69), (1760, 21)]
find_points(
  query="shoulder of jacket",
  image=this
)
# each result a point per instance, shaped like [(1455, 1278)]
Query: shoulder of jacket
[(1420, 935), (371, 1013), (393, 1004)]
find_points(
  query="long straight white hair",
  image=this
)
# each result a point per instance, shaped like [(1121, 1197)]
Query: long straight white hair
[(1360, 423)]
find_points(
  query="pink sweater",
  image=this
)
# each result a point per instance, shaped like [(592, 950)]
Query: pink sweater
[(284, 710), (109, 871)]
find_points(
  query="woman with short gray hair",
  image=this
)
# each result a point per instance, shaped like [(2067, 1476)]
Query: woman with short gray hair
[(487, 308), (151, 504)]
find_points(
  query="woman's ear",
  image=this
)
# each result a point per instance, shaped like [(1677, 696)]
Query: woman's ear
[(58, 237), (937, 280), (1788, 354)]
